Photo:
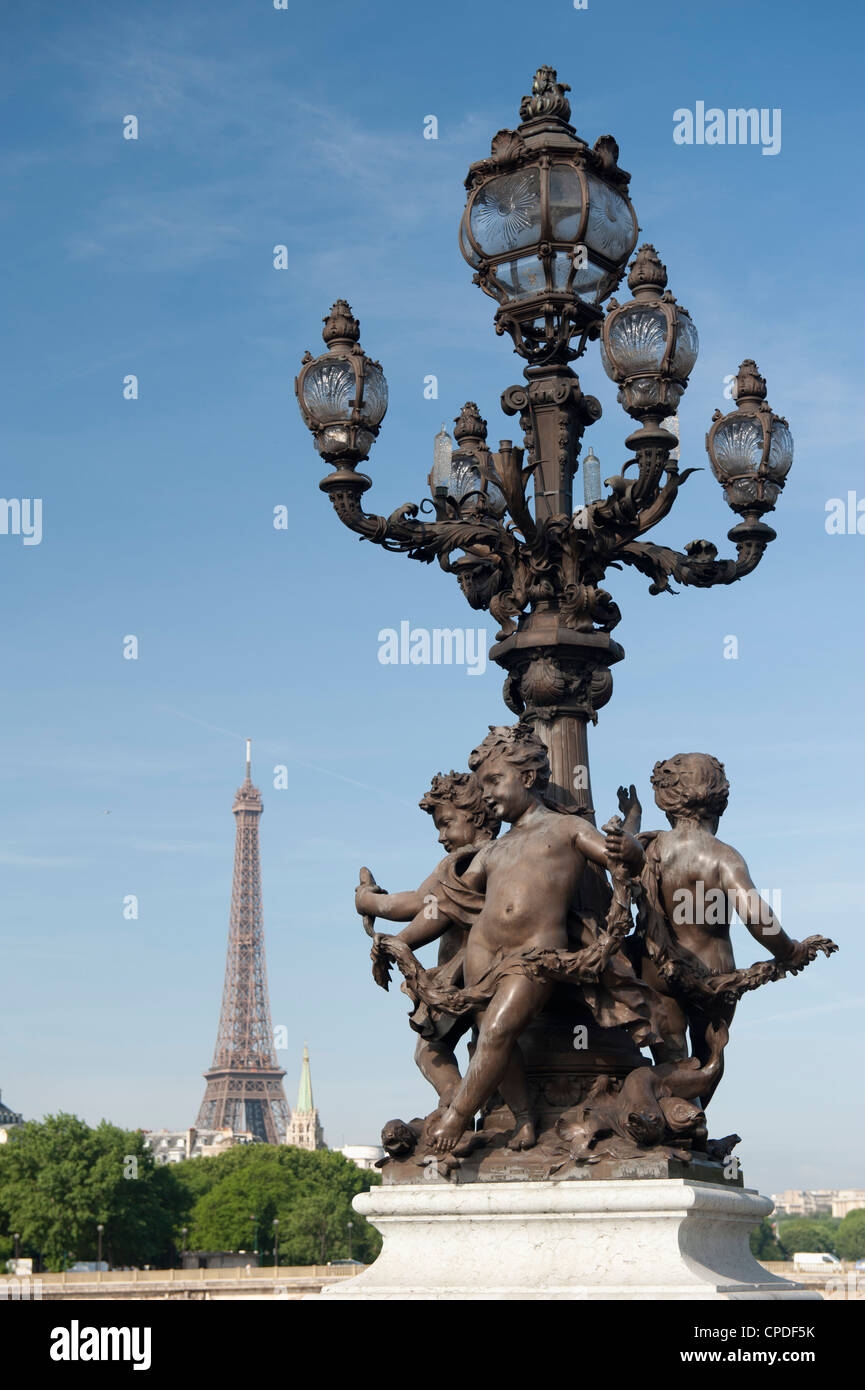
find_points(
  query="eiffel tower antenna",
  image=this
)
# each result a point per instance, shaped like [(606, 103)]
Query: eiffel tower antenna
[(244, 1084)]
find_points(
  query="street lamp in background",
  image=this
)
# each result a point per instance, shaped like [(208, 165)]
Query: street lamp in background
[(275, 1241), (99, 1229), (184, 1231), (350, 1224), (254, 1220), (16, 1236)]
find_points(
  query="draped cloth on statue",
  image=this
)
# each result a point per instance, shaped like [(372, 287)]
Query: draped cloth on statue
[(434, 1023), (597, 922)]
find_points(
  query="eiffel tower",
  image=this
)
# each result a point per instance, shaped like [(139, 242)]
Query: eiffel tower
[(244, 1084)]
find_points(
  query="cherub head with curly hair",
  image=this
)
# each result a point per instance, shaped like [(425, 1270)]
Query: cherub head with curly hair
[(512, 767), (690, 787), (460, 813)]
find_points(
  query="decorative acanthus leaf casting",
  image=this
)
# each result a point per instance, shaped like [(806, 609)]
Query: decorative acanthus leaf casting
[(509, 565)]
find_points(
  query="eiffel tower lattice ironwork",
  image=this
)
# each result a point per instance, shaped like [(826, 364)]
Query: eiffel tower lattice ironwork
[(244, 1084)]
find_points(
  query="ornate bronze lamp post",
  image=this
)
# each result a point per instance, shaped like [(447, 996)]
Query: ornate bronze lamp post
[(548, 229), (546, 946)]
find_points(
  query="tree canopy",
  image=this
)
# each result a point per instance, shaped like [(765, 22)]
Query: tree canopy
[(59, 1178), (234, 1198), (814, 1233), (850, 1237), (764, 1246)]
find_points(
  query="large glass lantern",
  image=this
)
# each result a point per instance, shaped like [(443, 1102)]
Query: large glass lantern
[(342, 394), (649, 346), (548, 226), (462, 480), (751, 448)]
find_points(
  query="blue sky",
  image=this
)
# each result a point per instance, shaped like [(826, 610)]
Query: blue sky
[(155, 257)]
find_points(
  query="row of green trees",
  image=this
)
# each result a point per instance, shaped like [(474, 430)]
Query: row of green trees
[(59, 1179), (844, 1238)]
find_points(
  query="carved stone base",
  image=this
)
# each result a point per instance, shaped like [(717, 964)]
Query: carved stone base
[(667, 1238)]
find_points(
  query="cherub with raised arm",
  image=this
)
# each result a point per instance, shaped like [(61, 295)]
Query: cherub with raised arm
[(525, 885), (464, 821), (692, 885)]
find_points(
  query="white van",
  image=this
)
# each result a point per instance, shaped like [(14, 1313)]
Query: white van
[(815, 1259)]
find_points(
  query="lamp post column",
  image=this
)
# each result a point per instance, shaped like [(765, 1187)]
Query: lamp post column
[(558, 675)]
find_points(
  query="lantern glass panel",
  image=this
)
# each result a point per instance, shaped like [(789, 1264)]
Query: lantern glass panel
[(506, 214), (566, 203), (496, 500), (464, 476), (374, 394), (337, 439), (610, 228), (560, 269), (592, 283), (745, 492), (521, 277), (638, 341), (465, 480), (687, 346), (780, 450), (644, 391), (737, 446), (466, 247), (329, 389)]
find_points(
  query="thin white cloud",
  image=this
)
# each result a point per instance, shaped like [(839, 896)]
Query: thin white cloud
[(42, 861)]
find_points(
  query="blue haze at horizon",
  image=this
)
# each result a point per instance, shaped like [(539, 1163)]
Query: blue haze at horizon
[(155, 257)]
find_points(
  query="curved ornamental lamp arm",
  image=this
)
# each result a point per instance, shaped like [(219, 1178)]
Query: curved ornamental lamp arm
[(507, 560), (698, 566), (342, 395), (401, 532), (634, 505)]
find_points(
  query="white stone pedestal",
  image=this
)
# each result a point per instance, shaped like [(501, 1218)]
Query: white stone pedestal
[(669, 1238)]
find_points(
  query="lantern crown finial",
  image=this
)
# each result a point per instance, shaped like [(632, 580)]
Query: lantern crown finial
[(340, 325), (749, 384), (469, 427), (547, 97), (647, 270)]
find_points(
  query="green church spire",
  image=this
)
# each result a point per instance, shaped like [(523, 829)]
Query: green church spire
[(304, 1092)]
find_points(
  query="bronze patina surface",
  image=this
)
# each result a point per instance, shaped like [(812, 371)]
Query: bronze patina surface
[(566, 954)]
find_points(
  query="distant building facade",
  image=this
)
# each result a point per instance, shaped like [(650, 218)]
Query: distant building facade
[(304, 1128), (10, 1120), (175, 1145), (824, 1201), (848, 1199)]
